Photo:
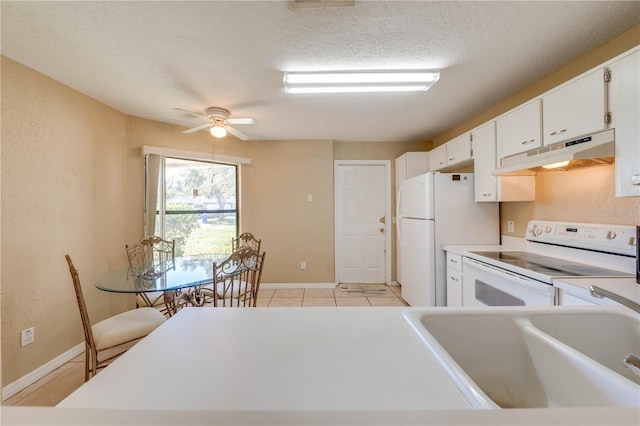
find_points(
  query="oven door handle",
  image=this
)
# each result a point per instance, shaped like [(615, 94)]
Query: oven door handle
[(490, 269)]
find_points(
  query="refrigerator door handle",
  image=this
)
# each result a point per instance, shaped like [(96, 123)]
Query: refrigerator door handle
[(399, 217)]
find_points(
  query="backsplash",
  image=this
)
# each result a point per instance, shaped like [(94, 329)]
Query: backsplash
[(584, 196)]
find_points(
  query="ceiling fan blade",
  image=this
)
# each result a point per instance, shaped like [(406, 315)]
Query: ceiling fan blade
[(243, 120), (195, 129), (192, 113), (237, 133)]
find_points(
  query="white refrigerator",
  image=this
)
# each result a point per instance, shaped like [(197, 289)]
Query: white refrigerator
[(436, 209)]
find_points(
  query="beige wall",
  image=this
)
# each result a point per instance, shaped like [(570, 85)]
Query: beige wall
[(577, 196), (65, 189), (276, 185)]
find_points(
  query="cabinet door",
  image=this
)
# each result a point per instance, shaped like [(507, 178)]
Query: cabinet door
[(519, 130), (417, 163), (575, 109), (454, 288), (484, 162), (401, 171), (624, 98), (438, 158), (459, 149)]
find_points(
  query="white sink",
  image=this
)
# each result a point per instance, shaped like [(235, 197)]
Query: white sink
[(604, 337), (534, 357)]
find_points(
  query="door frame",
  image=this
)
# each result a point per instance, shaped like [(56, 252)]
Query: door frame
[(387, 212)]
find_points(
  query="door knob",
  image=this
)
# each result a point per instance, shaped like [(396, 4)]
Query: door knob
[(383, 219), (382, 230)]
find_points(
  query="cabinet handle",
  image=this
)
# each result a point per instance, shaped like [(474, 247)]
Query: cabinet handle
[(453, 261), (487, 195), (451, 159), (454, 279), (442, 162), (527, 142), (557, 132)]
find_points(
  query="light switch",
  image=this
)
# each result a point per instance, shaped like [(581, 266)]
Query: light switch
[(309, 198)]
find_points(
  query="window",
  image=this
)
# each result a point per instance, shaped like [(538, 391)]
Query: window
[(195, 203)]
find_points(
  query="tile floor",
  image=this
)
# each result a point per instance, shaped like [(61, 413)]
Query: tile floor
[(57, 385)]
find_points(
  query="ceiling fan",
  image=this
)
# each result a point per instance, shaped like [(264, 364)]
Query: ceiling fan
[(219, 122)]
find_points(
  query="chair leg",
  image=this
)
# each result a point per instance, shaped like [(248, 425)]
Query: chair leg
[(86, 362)]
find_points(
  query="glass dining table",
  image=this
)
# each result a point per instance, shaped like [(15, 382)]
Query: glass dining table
[(180, 280)]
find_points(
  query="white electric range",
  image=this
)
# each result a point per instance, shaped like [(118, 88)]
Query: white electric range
[(554, 251)]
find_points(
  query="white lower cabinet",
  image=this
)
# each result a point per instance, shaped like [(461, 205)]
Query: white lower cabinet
[(454, 279), (490, 188)]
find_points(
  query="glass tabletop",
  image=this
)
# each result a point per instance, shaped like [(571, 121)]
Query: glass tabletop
[(184, 272)]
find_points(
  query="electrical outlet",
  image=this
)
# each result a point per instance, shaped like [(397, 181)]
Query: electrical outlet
[(303, 265), (27, 336), (511, 226)]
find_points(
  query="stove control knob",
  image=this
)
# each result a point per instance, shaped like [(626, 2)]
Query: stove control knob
[(547, 229), (610, 235), (538, 231)]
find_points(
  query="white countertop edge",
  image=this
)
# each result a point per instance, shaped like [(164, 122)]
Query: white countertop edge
[(580, 287), (584, 416), (508, 244)]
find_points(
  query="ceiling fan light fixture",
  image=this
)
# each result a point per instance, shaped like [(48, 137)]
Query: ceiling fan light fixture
[(218, 131), (359, 81)]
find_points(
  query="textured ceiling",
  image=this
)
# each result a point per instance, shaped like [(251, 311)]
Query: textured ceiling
[(145, 58)]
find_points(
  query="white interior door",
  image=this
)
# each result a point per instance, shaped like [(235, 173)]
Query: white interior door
[(362, 220)]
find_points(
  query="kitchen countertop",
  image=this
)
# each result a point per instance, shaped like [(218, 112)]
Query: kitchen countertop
[(508, 244), (625, 287), (303, 366), (275, 359)]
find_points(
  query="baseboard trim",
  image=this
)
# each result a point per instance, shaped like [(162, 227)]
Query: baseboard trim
[(37, 374), (276, 286)]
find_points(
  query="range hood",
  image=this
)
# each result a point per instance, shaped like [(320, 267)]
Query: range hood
[(591, 150)]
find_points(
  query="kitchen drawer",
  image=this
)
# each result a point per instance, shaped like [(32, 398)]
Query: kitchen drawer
[(454, 261), (454, 288)]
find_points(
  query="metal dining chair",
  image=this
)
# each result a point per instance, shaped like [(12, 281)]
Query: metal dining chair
[(246, 239), (236, 280), (110, 333), (151, 256)]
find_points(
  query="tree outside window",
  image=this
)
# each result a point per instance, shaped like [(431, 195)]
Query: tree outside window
[(201, 206)]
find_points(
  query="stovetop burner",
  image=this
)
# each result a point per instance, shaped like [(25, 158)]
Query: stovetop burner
[(549, 266)]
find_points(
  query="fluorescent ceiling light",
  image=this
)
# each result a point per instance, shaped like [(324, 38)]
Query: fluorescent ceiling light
[(359, 81)]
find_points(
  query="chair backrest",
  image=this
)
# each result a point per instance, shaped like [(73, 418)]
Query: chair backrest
[(84, 315), (236, 280), (151, 254), (246, 239)]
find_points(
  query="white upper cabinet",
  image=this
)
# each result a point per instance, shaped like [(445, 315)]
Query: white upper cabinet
[(456, 152), (490, 188), (438, 158), (575, 109), (519, 130), (411, 164), (484, 162), (624, 104), (459, 149)]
